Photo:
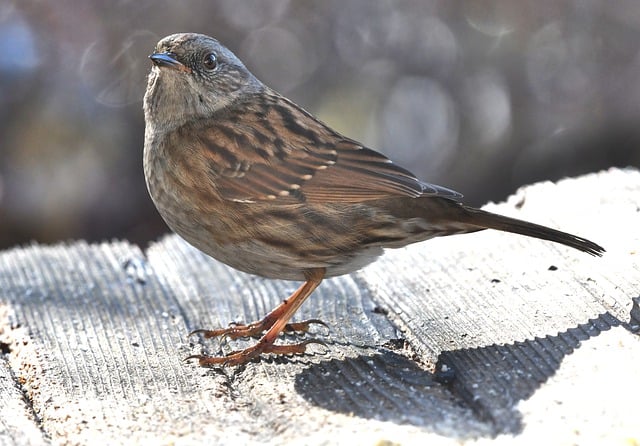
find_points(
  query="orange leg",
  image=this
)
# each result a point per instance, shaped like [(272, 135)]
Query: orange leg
[(274, 323)]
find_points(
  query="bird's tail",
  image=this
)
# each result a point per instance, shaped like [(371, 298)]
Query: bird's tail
[(487, 220)]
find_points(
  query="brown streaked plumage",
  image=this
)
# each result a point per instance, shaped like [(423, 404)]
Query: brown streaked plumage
[(253, 180)]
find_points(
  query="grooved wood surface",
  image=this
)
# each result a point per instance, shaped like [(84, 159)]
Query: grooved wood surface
[(481, 338)]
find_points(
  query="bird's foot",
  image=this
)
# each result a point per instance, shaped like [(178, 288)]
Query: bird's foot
[(239, 357), (255, 329), (273, 324)]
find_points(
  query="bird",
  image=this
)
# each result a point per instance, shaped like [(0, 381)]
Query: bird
[(253, 180)]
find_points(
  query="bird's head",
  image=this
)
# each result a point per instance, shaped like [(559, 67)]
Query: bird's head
[(193, 75)]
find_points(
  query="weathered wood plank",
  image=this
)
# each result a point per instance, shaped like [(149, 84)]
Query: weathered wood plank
[(17, 424), (446, 341), (107, 333)]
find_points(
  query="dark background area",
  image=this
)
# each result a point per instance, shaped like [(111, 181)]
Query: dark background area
[(481, 96)]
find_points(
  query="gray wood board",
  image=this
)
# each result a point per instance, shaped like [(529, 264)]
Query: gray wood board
[(474, 338), (17, 422)]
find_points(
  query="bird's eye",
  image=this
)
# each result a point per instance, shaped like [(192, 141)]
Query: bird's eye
[(210, 61)]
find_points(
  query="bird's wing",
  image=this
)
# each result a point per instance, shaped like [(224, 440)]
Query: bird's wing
[(284, 154)]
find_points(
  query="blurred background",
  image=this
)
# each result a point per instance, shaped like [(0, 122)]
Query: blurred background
[(480, 95)]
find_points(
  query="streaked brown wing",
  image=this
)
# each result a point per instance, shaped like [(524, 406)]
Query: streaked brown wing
[(283, 154)]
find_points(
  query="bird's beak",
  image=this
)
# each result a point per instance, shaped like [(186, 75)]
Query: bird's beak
[(168, 60)]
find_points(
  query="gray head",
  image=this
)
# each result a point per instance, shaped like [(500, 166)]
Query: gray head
[(193, 76)]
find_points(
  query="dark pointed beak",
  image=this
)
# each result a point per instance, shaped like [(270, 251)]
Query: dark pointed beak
[(168, 60)]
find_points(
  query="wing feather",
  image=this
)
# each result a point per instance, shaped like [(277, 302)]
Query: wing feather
[(259, 155)]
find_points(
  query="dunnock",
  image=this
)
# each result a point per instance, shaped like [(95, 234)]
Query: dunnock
[(253, 180)]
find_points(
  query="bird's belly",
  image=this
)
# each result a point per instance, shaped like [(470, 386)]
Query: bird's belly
[(261, 249), (253, 258)]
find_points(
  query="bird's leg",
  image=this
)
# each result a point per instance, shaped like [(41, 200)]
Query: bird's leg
[(274, 323)]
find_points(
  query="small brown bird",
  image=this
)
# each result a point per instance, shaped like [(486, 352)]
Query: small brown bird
[(254, 181)]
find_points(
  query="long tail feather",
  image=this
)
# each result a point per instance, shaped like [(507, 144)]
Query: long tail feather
[(484, 219)]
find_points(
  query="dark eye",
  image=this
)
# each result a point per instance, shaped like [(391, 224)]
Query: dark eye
[(210, 61)]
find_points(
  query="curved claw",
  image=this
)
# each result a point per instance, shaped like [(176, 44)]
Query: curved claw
[(198, 331), (303, 327), (319, 322)]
